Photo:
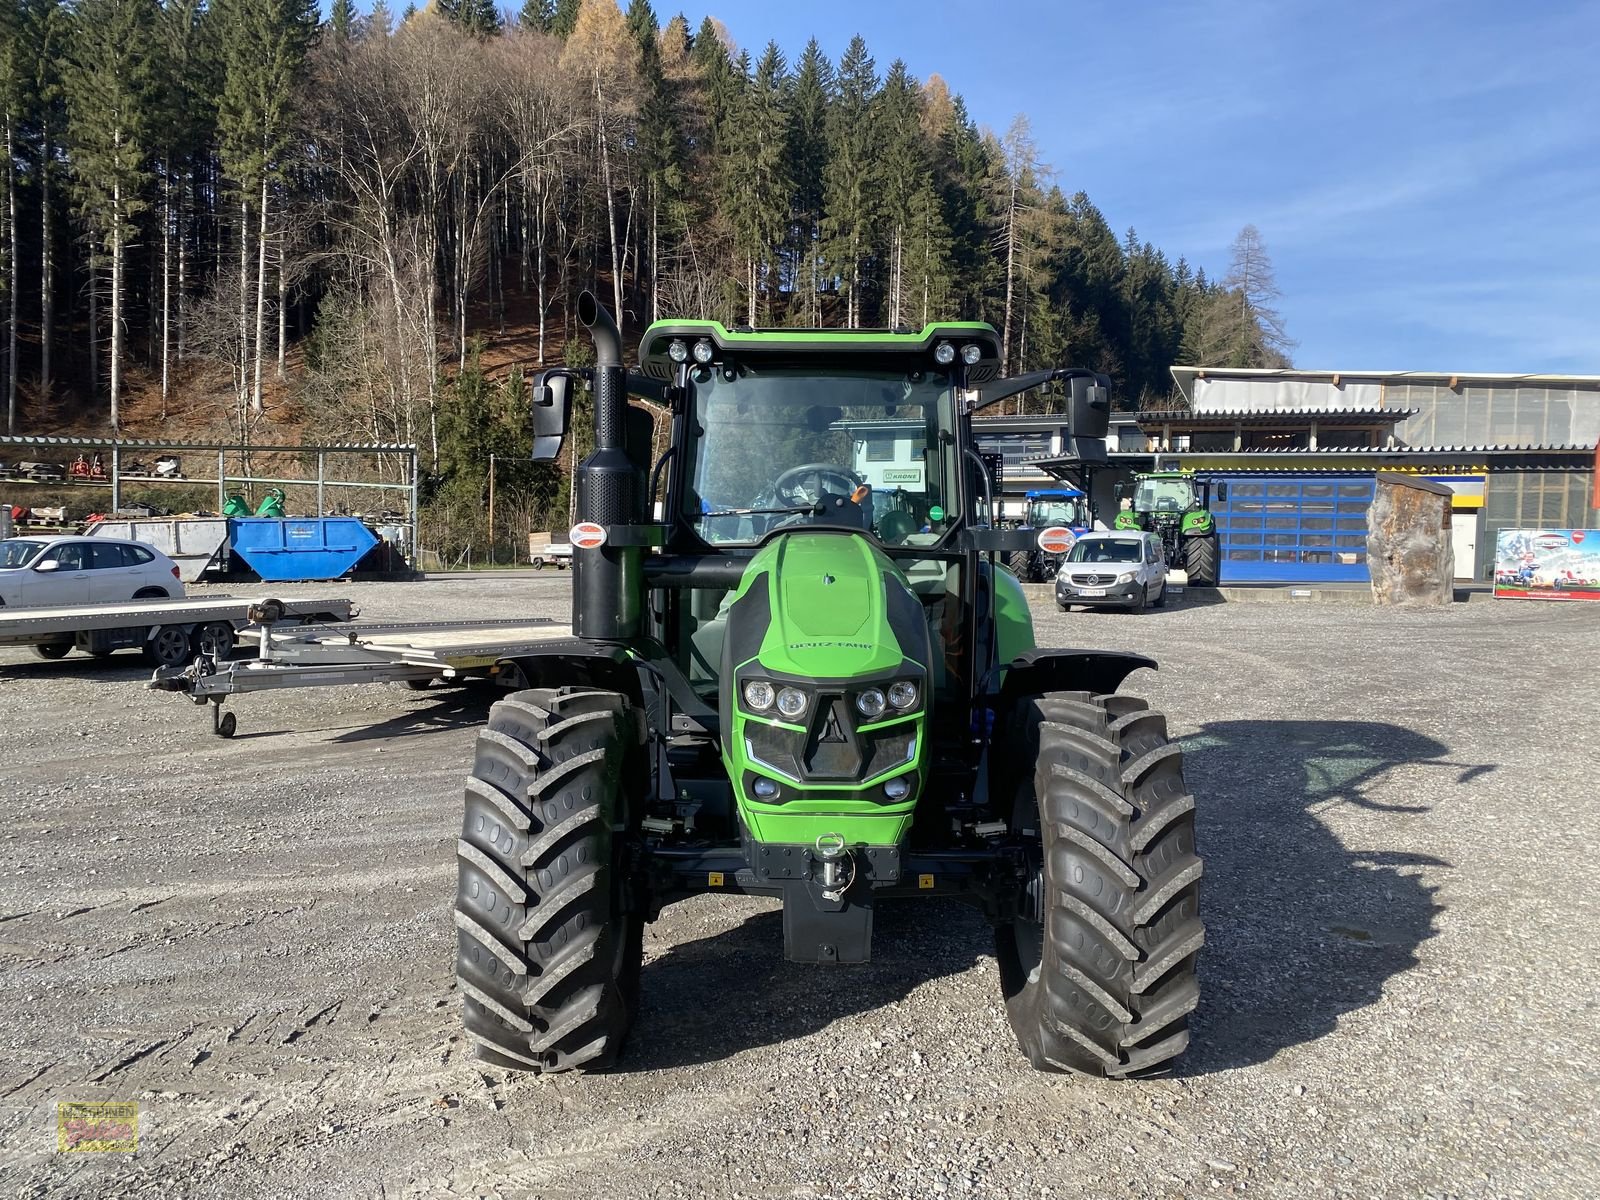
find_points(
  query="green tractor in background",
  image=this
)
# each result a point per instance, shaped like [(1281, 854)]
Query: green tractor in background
[(773, 685), (1177, 506)]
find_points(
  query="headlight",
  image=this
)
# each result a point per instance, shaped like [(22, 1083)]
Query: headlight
[(897, 788), (1126, 577), (903, 695), (703, 351), (944, 354), (677, 351), (764, 789), (971, 353), (758, 694), (870, 703), (791, 702)]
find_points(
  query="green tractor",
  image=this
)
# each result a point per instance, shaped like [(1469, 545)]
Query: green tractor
[(1177, 506), (770, 688)]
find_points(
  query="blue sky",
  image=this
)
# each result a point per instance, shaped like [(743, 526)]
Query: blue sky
[(1425, 173)]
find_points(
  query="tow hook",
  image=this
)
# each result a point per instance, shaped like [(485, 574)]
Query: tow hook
[(838, 865)]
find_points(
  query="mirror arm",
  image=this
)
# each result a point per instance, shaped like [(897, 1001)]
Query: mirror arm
[(1004, 389)]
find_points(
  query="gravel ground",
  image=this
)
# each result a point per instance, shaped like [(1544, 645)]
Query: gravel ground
[(253, 940)]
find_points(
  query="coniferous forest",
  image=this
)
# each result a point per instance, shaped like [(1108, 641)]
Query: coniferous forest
[(239, 213)]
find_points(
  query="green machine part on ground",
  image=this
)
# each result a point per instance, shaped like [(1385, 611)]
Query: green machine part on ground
[(1177, 505), (773, 688)]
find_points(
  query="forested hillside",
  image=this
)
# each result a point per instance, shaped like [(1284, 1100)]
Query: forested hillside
[(320, 223)]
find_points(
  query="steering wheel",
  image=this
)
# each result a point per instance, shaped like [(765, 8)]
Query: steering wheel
[(789, 487)]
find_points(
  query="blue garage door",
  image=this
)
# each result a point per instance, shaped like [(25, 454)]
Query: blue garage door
[(1293, 528)]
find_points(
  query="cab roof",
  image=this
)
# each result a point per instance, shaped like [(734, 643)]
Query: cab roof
[(867, 349)]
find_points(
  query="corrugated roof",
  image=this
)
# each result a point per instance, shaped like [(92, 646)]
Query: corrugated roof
[(1274, 416), (1461, 377)]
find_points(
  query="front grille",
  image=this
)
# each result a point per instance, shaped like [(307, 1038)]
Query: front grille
[(1093, 580), (811, 757)]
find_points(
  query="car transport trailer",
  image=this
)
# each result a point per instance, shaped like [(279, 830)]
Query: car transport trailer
[(169, 632), (415, 654)]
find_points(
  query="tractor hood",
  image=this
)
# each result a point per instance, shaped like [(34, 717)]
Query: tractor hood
[(828, 601)]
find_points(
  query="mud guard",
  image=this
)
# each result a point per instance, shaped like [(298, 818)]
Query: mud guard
[(1037, 671)]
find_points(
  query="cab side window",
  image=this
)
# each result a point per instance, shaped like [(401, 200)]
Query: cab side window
[(69, 556), (106, 555)]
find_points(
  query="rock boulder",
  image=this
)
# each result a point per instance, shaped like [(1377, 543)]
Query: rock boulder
[(1409, 552)]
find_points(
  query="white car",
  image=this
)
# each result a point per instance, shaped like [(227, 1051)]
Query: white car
[(1126, 569), (39, 571)]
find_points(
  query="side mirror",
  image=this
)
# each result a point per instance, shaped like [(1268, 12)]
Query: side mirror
[(1089, 405), (48, 564), (1222, 493), (552, 412)]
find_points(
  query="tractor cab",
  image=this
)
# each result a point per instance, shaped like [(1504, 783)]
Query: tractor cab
[(1164, 494), (1066, 507), (839, 450)]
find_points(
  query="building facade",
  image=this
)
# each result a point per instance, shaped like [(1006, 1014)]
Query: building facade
[(1299, 451)]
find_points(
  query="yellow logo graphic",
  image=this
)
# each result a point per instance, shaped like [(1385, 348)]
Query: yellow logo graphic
[(97, 1126)]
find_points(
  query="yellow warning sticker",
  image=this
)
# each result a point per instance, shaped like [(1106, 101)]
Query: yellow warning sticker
[(713, 878), (925, 882), (97, 1127)]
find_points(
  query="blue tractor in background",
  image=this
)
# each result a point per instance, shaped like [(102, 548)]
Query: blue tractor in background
[(1049, 508)]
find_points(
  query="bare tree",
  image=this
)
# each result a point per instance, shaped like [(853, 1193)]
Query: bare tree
[(1258, 333)]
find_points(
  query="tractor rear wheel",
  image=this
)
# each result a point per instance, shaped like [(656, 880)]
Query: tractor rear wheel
[(1200, 560), (1021, 564), (1098, 969), (550, 937)]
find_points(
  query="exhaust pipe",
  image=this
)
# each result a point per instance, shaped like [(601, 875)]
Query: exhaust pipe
[(608, 581), (602, 328)]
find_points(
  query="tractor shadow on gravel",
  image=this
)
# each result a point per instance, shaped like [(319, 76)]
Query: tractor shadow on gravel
[(688, 1013), (1300, 929)]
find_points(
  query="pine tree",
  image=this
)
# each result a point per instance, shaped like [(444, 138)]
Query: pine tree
[(44, 33), (903, 169), (264, 45), (657, 140), (808, 159), (342, 19), (380, 21), (722, 82), (110, 79), (12, 72), (537, 15), (476, 16), (851, 176), (184, 130), (565, 18)]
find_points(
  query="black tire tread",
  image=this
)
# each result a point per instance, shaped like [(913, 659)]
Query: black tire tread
[(1200, 560), (1117, 981), (548, 968)]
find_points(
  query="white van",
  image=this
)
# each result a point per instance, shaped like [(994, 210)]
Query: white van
[(1122, 569)]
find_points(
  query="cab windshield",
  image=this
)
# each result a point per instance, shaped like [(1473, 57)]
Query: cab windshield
[(1164, 495), (1105, 550), (772, 448), (18, 552), (1060, 511)]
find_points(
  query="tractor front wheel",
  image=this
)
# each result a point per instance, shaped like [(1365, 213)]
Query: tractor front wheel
[(1021, 564), (1098, 968), (550, 937), (1200, 560)]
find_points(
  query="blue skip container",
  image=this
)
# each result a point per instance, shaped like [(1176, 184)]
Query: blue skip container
[(296, 549)]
